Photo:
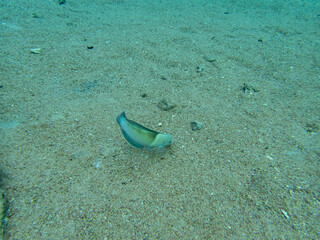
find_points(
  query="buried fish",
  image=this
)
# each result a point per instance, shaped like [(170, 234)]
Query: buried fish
[(140, 136)]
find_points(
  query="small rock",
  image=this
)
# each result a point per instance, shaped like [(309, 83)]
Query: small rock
[(209, 58), (97, 164), (249, 88), (195, 126), (165, 106)]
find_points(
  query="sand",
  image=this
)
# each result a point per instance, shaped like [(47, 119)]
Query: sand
[(248, 71)]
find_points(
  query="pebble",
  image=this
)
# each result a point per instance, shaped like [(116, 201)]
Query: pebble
[(195, 126), (97, 164), (165, 106)]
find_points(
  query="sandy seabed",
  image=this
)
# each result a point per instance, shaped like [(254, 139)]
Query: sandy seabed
[(249, 72)]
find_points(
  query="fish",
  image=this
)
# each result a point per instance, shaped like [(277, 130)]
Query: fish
[(140, 136)]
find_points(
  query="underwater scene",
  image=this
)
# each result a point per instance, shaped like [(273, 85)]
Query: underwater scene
[(185, 119)]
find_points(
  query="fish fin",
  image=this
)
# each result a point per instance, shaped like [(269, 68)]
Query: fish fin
[(142, 127), (130, 140), (121, 116)]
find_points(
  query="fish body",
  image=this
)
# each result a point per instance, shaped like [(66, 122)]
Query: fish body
[(140, 136)]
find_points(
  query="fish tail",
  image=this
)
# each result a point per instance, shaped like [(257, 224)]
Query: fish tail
[(121, 116)]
